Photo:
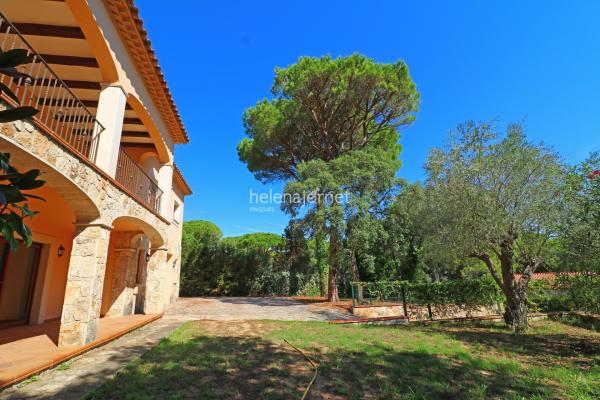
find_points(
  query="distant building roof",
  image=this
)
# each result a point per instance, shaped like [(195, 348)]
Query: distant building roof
[(547, 275)]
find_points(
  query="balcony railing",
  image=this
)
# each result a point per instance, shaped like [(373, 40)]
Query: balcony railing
[(61, 113), (133, 177)]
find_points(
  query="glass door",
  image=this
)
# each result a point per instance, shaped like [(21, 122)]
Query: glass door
[(17, 279)]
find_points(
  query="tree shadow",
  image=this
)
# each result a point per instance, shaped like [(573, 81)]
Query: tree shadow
[(246, 367), (580, 351), (260, 301)]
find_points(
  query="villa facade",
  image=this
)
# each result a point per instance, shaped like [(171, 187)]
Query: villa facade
[(107, 239)]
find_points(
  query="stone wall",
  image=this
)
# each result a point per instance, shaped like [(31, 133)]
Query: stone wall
[(111, 200), (83, 294)]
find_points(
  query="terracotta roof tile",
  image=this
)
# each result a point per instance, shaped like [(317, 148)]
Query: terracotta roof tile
[(178, 177), (126, 17)]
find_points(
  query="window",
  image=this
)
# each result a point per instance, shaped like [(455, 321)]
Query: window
[(176, 212)]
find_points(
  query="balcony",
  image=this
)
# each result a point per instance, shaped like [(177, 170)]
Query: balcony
[(66, 118)]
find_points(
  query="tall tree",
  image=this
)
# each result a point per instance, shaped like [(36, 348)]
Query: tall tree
[(497, 200), (198, 251), (349, 194), (322, 109)]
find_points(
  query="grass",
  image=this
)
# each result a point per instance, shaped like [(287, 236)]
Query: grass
[(64, 366), (248, 360), (31, 379)]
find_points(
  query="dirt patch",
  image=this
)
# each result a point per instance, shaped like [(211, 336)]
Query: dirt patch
[(232, 328), (343, 307)]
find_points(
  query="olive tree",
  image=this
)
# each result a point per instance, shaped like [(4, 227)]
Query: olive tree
[(498, 200)]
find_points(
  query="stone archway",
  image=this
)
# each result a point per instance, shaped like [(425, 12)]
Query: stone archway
[(124, 271), (131, 270)]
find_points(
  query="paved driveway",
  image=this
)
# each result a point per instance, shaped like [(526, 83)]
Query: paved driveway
[(93, 368), (240, 308)]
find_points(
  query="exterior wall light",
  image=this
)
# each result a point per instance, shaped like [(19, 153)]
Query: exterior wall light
[(61, 250)]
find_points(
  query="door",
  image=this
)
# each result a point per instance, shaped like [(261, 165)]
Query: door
[(17, 280)]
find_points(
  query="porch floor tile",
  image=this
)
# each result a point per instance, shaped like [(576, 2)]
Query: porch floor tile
[(27, 350)]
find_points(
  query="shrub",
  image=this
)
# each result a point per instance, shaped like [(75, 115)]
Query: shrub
[(581, 290), (446, 297)]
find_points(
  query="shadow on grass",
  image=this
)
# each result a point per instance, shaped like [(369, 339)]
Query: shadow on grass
[(210, 367), (582, 351)]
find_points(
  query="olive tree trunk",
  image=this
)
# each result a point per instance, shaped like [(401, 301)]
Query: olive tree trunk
[(515, 292)]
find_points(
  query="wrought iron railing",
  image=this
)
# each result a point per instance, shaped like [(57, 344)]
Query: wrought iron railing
[(131, 175), (60, 111)]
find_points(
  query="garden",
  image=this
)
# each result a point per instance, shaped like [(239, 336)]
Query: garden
[(250, 359)]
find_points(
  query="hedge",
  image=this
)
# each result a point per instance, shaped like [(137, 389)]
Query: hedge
[(445, 298)]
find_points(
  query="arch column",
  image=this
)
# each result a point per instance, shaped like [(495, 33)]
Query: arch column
[(155, 279), (165, 183), (85, 278)]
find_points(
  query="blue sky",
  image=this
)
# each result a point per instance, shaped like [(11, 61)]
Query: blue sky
[(533, 61)]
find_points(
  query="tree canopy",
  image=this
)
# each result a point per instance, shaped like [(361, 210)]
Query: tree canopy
[(497, 199), (323, 108)]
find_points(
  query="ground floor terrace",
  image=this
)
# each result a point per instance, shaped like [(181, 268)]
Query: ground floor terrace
[(30, 349)]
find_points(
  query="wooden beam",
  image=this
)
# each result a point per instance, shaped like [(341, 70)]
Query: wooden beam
[(69, 32), (57, 102), (88, 62), (140, 145), (64, 103), (83, 85), (73, 84), (135, 134), (132, 121)]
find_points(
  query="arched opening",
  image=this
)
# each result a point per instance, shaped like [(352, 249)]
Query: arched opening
[(129, 250)]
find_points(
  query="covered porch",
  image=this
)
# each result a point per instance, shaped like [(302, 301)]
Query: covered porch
[(29, 349)]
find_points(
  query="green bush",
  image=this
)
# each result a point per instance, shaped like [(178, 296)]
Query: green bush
[(581, 290), (446, 297), (544, 296)]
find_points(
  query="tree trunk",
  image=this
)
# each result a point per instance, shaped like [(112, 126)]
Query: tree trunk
[(319, 264), (356, 278), (332, 289), (515, 314)]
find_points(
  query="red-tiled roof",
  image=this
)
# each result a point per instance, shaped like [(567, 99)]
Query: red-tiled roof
[(126, 17), (546, 275), (180, 180)]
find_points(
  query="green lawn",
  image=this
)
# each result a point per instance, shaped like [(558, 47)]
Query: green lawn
[(249, 360)]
